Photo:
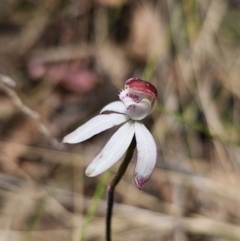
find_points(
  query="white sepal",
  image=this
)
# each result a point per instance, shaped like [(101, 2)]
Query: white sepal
[(116, 106), (94, 126), (113, 150), (146, 154)]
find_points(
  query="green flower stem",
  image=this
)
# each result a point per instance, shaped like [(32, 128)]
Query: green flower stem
[(111, 187)]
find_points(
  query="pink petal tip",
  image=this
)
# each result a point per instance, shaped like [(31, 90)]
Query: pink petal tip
[(139, 182)]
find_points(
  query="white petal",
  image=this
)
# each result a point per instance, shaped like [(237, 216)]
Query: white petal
[(137, 104), (94, 126), (138, 111), (146, 154), (113, 151), (116, 106)]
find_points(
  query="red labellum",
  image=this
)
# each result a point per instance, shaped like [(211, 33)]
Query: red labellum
[(142, 86)]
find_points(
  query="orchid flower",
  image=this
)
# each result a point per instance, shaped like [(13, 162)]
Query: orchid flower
[(137, 100)]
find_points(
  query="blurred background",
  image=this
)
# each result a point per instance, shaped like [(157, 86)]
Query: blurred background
[(61, 61)]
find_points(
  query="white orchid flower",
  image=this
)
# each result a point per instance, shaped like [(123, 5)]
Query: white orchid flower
[(138, 100)]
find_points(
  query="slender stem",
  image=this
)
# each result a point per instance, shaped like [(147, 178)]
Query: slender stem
[(110, 201), (111, 187)]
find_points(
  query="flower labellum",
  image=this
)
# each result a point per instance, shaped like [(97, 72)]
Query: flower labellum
[(139, 98), (137, 101)]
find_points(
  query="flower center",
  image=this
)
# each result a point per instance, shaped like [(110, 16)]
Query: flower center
[(134, 97), (137, 104), (139, 98)]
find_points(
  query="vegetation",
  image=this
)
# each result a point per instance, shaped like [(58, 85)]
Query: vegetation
[(70, 58)]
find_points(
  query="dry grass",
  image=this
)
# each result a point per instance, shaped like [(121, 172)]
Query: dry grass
[(62, 61)]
